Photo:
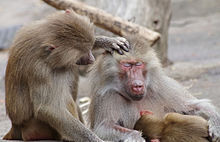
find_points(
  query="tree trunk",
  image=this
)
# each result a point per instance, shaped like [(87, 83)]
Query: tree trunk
[(153, 14)]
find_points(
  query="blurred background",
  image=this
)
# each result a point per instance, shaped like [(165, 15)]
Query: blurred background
[(189, 48)]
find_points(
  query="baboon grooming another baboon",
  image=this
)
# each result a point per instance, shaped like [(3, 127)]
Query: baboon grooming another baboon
[(42, 77), (174, 127), (127, 84)]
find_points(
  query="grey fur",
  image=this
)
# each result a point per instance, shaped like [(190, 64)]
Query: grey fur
[(163, 95)]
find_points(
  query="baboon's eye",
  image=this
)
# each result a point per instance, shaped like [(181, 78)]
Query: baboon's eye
[(126, 64), (138, 64)]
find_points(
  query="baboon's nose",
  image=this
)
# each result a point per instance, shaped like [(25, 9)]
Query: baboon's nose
[(137, 87)]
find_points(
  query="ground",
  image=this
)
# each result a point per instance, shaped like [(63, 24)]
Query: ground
[(194, 45)]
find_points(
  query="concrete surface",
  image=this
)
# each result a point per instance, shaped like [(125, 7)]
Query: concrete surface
[(194, 44)]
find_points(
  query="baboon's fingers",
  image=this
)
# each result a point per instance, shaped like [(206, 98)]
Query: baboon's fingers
[(117, 48), (124, 43), (123, 46)]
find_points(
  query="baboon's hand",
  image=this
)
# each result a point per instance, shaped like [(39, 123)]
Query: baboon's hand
[(204, 108), (214, 131), (119, 44), (134, 136), (112, 44)]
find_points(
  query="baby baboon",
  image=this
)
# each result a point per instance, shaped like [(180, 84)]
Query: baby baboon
[(173, 127), (42, 77)]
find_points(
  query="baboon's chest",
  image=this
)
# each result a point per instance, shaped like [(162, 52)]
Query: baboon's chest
[(64, 82)]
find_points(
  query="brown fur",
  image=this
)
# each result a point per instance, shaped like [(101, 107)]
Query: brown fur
[(174, 127), (41, 84)]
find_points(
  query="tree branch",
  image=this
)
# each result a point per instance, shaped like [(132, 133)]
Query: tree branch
[(105, 20)]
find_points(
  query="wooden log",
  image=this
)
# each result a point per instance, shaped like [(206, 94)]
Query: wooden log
[(105, 20)]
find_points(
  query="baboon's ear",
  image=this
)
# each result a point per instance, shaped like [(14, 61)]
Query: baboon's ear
[(68, 11), (50, 47)]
